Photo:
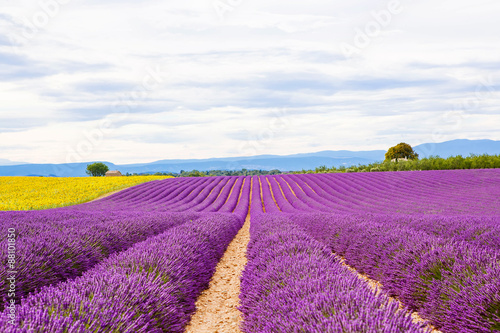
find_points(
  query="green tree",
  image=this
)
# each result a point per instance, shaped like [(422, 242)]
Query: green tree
[(97, 169), (401, 151), (192, 173)]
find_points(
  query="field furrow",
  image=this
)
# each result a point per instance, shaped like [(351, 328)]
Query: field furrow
[(137, 260)]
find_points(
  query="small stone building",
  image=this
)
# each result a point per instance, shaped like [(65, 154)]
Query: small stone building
[(405, 159), (113, 173)]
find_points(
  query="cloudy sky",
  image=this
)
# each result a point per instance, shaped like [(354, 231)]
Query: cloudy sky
[(138, 81)]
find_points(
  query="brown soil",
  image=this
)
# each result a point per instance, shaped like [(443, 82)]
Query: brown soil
[(217, 306), (107, 194), (376, 286), (272, 194)]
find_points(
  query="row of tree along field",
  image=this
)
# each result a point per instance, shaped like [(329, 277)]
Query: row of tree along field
[(401, 157), (214, 173), (100, 169), (430, 163)]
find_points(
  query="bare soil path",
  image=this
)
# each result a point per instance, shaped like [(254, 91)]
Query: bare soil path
[(216, 308), (376, 286), (107, 194)]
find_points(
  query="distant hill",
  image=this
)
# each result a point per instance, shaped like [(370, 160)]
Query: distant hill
[(295, 162), (49, 170), (458, 147)]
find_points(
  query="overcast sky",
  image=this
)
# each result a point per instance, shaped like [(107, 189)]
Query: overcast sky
[(138, 81)]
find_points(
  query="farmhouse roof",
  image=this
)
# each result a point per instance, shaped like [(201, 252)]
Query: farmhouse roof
[(113, 173)]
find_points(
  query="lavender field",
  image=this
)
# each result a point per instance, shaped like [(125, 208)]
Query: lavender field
[(136, 261)]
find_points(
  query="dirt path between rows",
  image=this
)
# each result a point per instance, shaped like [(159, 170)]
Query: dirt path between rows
[(376, 286), (108, 194), (216, 308)]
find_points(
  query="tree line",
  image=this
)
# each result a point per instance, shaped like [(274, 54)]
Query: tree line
[(429, 163), (211, 173), (401, 157)]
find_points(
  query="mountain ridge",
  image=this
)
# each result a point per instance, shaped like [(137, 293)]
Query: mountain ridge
[(293, 162)]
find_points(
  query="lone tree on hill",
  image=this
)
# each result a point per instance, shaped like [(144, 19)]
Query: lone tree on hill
[(401, 151), (97, 169)]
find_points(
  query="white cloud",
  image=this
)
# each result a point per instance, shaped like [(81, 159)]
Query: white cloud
[(221, 78)]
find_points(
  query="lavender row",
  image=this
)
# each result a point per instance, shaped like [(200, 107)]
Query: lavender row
[(173, 199), (478, 230), (215, 194), (352, 197), (323, 193), (152, 287), (161, 194), (267, 201), (135, 196), (59, 244), (242, 208), (455, 285), (459, 192), (283, 203), (206, 197), (241, 184), (313, 196), (170, 197), (198, 195), (293, 283), (298, 196), (257, 203), (67, 248), (218, 197), (31, 223)]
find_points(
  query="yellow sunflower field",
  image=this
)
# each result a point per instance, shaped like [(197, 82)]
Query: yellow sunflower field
[(31, 193)]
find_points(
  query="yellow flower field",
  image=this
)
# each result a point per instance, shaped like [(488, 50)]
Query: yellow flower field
[(30, 193)]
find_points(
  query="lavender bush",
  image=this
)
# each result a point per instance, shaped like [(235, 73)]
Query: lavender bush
[(293, 283), (151, 287), (136, 261)]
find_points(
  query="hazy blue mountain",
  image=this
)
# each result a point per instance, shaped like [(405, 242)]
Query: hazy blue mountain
[(375, 155), (458, 147), (59, 170), (284, 163), (338, 155), (261, 162)]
